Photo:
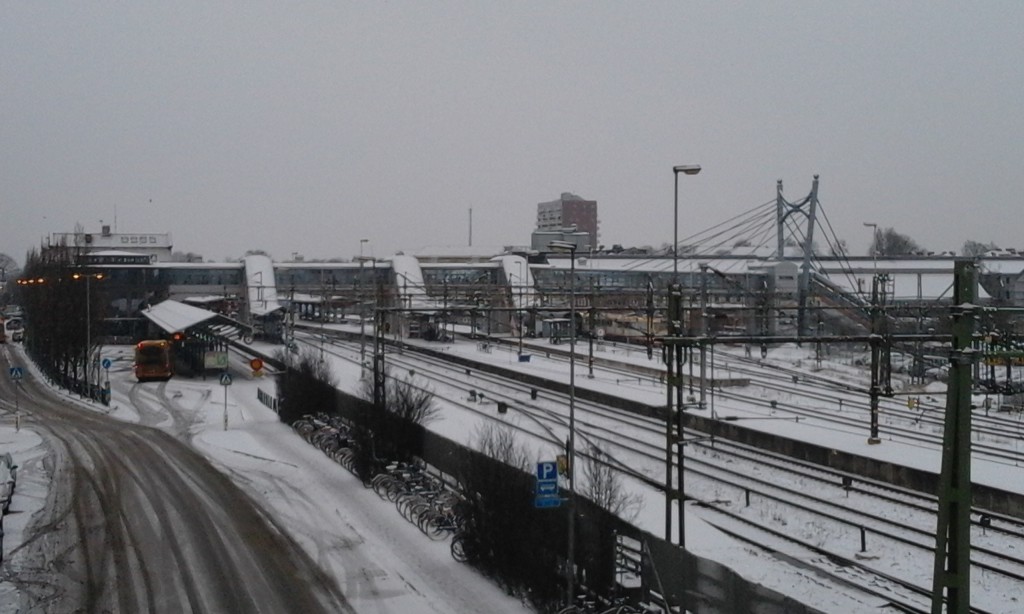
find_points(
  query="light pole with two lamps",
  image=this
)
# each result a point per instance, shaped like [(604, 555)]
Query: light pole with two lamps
[(570, 572), (673, 368), (88, 323)]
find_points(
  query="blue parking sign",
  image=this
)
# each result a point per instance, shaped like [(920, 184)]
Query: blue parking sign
[(547, 470), (546, 493)]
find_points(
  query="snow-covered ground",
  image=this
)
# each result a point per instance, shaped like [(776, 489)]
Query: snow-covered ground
[(381, 562)]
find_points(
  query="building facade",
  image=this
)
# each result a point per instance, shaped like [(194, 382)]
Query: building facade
[(569, 211), (154, 244)]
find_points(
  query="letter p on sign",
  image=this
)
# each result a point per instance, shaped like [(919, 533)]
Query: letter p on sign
[(547, 470)]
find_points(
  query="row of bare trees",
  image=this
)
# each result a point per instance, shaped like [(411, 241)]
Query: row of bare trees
[(889, 242), (62, 309)]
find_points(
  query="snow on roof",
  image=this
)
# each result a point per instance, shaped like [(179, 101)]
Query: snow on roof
[(325, 264), (1004, 266), (409, 280), (171, 265), (175, 317), (520, 280), (921, 285), (432, 252), (116, 252), (261, 285), (654, 265)]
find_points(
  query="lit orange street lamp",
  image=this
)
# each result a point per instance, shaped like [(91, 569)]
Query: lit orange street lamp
[(88, 323)]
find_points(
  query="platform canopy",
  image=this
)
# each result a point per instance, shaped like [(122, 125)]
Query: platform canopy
[(175, 317)]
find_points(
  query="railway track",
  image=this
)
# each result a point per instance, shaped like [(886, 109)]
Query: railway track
[(838, 404), (784, 505), (996, 437)]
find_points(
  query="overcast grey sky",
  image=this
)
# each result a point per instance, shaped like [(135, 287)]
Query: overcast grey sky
[(307, 126)]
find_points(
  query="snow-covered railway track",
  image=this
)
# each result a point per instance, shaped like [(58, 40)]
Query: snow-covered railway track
[(995, 435), (876, 543), (452, 386), (637, 443)]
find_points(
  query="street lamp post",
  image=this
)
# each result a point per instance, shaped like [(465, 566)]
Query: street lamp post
[(88, 324), (686, 169), (673, 368), (570, 446), (874, 244)]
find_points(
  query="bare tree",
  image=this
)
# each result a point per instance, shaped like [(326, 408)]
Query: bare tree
[(397, 433), (404, 399), (602, 484), (976, 248), (840, 248), (8, 265), (498, 441), (56, 327), (308, 386), (186, 257), (888, 242)]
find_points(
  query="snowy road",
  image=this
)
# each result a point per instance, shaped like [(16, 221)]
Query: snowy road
[(136, 521)]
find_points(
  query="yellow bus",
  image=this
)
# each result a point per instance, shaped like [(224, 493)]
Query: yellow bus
[(153, 360)]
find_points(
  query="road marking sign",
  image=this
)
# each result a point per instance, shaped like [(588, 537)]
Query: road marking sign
[(547, 487), (225, 379), (16, 373)]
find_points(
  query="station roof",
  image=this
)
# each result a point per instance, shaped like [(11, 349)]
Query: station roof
[(175, 317)]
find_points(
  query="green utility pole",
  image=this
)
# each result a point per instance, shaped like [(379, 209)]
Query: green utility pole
[(877, 341), (379, 371), (952, 573), (672, 357), (650, 317)]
